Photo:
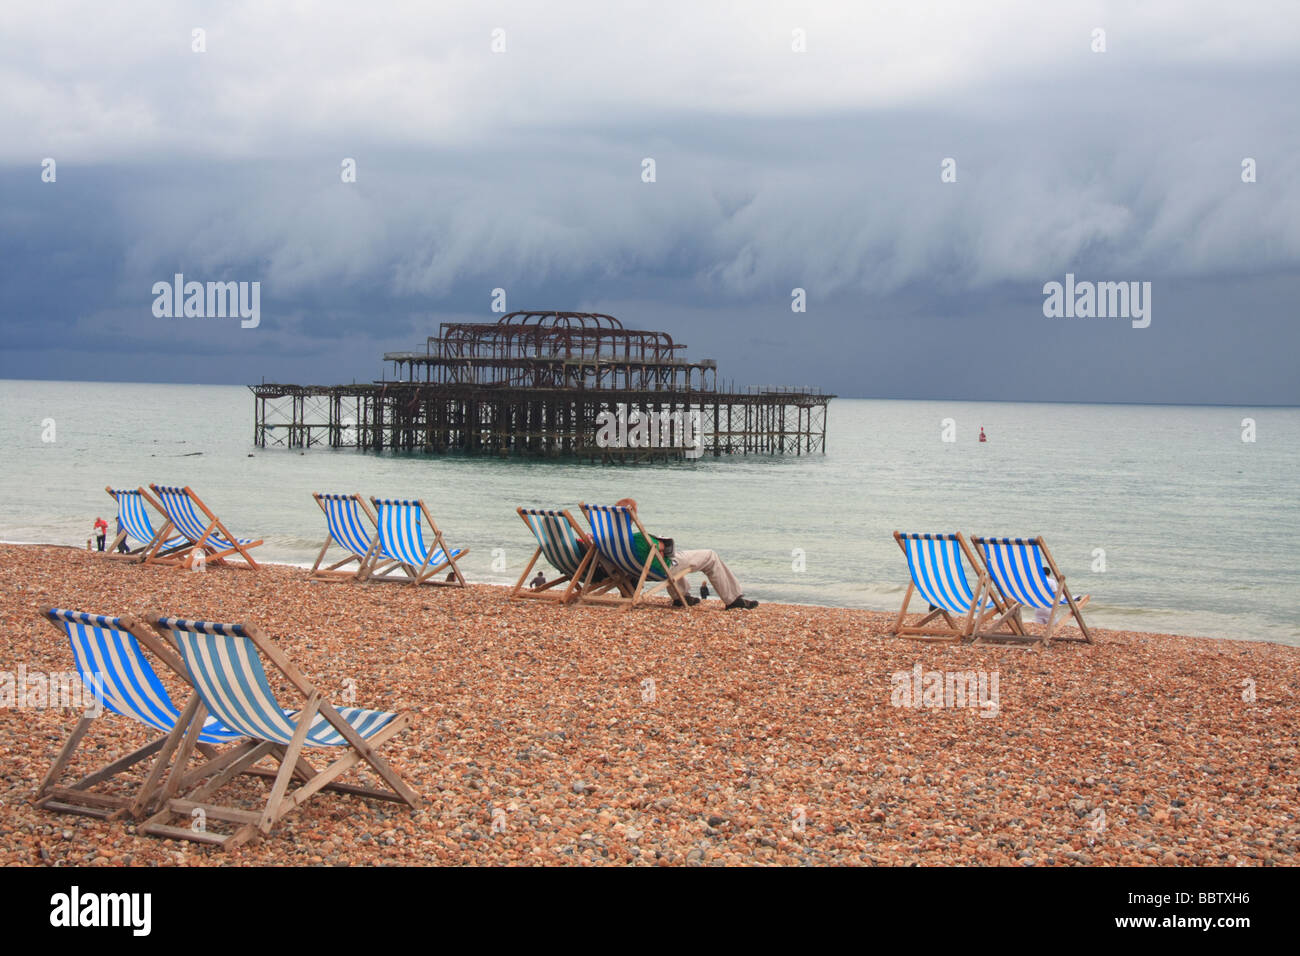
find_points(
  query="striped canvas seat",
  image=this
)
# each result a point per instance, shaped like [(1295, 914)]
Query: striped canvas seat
[(555, 535), (350, 524), (204, 530), (569, 551), (612, 528), (1015, 568), (936, 564), (400, 525), (110, 660), (227, 664), (133, 513), (347, 525), (106, 651), (228, 674), (180, 509)]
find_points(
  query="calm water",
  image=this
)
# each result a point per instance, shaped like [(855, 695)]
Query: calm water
[(1201, 530)]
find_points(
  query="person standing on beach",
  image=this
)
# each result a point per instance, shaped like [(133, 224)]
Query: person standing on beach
[(706, 561), (101, 532)]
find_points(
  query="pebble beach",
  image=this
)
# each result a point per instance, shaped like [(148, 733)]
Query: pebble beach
[(571, 735)]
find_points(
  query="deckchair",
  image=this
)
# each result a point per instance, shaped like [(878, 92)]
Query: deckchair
[(612, 527), (1015, 568), (133, 506), (937, 571), (349, 521), (568, 549), (111, 664), (401, 544), (205, 533), (226, 667)]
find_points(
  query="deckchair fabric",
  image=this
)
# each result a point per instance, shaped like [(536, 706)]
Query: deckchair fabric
[(400, 529), (133, 513), (347, 525), (229, 677), (180, 509), (936, 564), (563, 549), (401, 533), (569, 550), (225, 663), (110, 661), (1015, 568), (612, 528), (104, 650), (350, 525)]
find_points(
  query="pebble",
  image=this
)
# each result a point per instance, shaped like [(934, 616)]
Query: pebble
[(540, 710)]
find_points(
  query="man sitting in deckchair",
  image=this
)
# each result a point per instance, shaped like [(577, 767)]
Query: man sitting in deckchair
[(704, 561)]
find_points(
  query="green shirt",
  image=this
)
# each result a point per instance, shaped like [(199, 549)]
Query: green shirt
[(642, 551)]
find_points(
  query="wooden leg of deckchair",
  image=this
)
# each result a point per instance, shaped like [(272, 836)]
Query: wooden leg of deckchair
[(290, 760), (902, 611), (360, 750), (1076, 610), (145, 797), (519, 585), (65, 754), (321, 557)]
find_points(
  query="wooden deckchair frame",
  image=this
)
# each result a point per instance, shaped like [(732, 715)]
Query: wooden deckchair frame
[(153, 545), (415, 574), (924, 629), (177, 799), (214, 555), (1010, 608), (78, 797), (633, 593), (574, 581), (365, 566)]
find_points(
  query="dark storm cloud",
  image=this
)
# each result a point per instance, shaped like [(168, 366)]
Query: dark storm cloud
[(477, 172)]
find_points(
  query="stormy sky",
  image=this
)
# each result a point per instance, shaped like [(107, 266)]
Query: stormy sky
[(522, 168)]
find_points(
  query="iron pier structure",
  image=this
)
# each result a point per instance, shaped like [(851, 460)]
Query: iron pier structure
[(546, 385)]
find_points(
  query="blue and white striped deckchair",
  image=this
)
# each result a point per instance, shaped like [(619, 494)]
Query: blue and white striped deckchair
[(1016, 568), (351, 526), (112, 666), (225, 665), (612, 528), (401, 542), (205, 532), (938, 572), (567, 549), (135, 525)]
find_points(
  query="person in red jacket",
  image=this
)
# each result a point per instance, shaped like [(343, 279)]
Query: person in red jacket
[(101, 532)]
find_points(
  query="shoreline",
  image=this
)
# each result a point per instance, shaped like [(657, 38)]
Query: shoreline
[(541, 713), (791, 604)]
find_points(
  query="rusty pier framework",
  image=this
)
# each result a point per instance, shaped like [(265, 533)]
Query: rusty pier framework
[(546, 385)]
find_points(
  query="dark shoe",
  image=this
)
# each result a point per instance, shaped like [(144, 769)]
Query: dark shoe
[(742, 602), (691, 599)]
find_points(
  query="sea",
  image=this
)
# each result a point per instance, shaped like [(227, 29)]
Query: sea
[(1179, 519)]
